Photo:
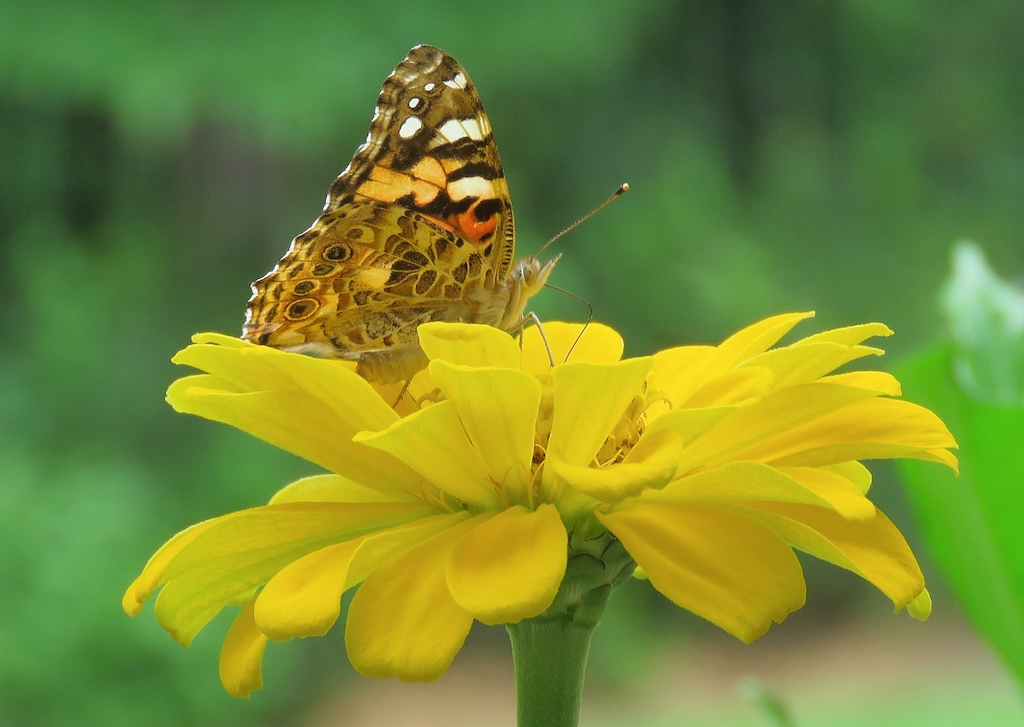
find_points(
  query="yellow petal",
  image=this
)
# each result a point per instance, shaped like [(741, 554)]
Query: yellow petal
[(682, 371), (689, 424), (221, 339), (873, 549), (407, 396), (921, 607), (498, 411), (593, 343), (745, 433), (252, 368), (738, 387), (243, 550), (153, 574), (329, 488), (509, 567), (941, 456), (802, 364), (403, 621), (433, 443), (679, 371), (470, 344), (879, 382), (650, 464), (756, 338), (589, 400), (722, 566), (873, 428), (241, 656), (849, 335), (297, 423), (853, 471), (840, 486), (384, 547), (755, 481), (304, 598)]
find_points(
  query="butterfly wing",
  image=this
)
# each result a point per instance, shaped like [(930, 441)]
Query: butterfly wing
[(431, 149), (363, 281), (417, 228)]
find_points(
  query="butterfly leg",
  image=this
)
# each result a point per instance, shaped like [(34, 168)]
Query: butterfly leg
[(402, 393), (544, 339), (531, 316)]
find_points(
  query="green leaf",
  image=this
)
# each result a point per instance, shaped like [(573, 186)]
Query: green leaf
[(973, 524), (768, 702), (986, 319)]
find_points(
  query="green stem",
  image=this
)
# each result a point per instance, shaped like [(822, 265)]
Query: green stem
[(550, 657), (550, 650)]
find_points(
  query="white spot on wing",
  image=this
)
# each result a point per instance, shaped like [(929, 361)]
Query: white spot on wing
[(409, 127), (429, 87), (455, 129), (470, 187), (472, 127), (414, 102), (458, 82), (452, 130)]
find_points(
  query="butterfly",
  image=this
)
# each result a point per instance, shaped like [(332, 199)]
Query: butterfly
[(417, 228)]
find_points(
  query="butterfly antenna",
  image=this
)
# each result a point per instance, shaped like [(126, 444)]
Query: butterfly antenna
[(590, 313), (618, 193)]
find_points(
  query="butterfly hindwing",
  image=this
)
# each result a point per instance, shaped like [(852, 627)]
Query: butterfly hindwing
[(363, 279)]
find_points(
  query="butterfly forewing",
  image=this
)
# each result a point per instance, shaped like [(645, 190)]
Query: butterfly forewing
[(430, 148)]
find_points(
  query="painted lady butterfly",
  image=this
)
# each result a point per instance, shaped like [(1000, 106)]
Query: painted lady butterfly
[(417, 228)]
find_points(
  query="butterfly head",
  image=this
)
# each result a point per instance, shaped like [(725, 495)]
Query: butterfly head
[(531, 275), (526, 279)]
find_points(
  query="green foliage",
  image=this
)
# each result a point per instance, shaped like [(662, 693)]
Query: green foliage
[(767, 702), (986, 317), (973, 524), (156, 157)]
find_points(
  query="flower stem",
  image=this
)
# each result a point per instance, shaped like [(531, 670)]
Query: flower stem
[(550, 657), (550, 650)]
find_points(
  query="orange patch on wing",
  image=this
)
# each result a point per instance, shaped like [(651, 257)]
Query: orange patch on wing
[(430, 170), (380, 191), (475, 230), (387, 185)]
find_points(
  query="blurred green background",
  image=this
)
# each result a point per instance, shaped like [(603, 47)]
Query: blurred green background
[(156, 157)]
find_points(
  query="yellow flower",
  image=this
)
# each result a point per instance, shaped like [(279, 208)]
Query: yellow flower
[(709, 464)]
